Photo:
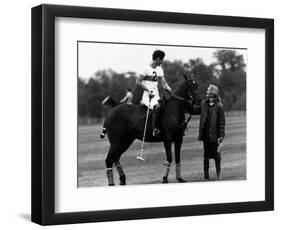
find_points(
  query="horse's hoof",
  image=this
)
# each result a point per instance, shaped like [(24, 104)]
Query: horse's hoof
[(111, 185), (165, 180), (122, 180), (181, 180)]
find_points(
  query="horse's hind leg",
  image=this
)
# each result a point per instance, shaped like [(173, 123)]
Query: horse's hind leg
[(122, 176), (125, 144), (113, 157), (109, 163)]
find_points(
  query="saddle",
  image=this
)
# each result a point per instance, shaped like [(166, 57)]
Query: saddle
[(162, 102), (139, 120), (142, 112)]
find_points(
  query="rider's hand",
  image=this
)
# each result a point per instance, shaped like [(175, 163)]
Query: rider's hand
[(151, 95), (150, 92)]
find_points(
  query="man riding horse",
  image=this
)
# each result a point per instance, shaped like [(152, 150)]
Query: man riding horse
[(148, 81), (126, 122)]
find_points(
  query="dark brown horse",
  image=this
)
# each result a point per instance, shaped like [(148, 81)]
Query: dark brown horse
[(125, 123)]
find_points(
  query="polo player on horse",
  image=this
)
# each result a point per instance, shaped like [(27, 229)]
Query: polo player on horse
[(148, 81)]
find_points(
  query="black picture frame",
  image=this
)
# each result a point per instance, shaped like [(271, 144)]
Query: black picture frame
[(43, 114)]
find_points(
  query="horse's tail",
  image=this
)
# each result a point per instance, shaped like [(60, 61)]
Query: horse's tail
[(109, 101), (103, 132)]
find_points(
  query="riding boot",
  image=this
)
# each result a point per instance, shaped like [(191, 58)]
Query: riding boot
[(109, 174), (206, 168), (166, 174), (218, 165), (178, 173), (154, 120), (121, 173)]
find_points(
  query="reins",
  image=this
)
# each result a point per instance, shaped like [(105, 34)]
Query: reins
[(182, 98), (186, 121)]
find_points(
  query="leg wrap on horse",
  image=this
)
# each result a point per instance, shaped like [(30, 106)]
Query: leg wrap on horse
[(178, 170), (109, 174), (206, 168), (121, 173), (166, 174), (119, 169), (167, 169), (178, 173)]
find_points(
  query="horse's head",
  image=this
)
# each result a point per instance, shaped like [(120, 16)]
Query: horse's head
[(191, 86), (187, 91), (187, 88)]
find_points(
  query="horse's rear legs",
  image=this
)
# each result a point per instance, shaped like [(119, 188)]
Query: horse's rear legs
[(113, 157), (109, 164), (109, 171)]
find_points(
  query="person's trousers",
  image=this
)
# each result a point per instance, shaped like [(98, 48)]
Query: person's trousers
[(211, 152)]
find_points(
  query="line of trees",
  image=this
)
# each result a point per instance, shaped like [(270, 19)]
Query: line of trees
[(227, 72)]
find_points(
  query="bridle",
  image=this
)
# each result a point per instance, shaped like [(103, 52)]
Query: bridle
[(189, 100), (182, 98)]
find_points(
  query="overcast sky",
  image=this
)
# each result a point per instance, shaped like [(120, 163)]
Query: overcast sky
[(122, 58)]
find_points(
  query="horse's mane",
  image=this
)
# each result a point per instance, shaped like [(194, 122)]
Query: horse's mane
[(181, 89), (181, 94)]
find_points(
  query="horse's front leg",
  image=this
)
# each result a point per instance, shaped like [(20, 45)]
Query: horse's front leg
[(168, 149), (178, 144)]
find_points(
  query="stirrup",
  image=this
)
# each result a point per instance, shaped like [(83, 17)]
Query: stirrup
[(156, 132)]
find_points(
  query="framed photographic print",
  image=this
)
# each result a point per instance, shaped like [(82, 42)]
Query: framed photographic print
[(143, 114)]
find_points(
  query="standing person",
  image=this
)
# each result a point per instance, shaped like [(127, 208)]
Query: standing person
[(211, 128), (128, 98), (148, 81)]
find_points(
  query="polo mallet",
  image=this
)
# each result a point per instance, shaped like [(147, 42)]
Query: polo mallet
[(140, 157)]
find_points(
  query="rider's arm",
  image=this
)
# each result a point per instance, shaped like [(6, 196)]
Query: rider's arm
[(139, 82), (165, 84)]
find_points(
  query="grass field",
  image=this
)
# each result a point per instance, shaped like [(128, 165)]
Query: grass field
[(93, 151)]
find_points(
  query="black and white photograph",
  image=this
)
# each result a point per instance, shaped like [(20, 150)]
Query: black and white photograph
[(147, 114), (160, 114)]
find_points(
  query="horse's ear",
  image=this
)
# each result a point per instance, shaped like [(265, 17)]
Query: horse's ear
[(185, 76)]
